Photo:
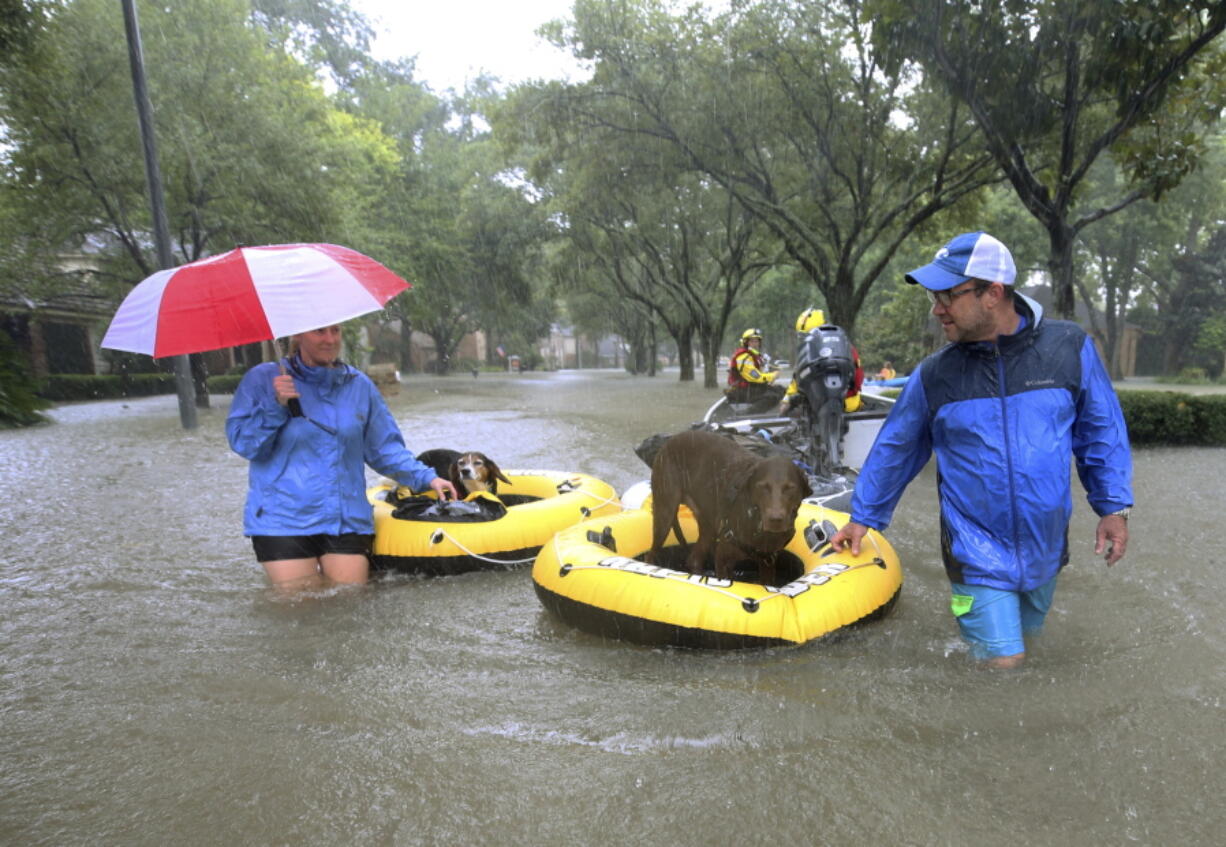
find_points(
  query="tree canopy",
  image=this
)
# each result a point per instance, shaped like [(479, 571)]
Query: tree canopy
[(1053, 86), (717, 167)]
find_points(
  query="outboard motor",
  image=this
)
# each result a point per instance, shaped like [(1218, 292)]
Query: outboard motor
[(824, 372)]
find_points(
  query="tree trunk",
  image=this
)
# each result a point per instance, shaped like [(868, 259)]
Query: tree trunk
[(685, 352), (710, 363), (406, 346), (200, 376), (1172, 356), (840, 305), (652, 351), (1060, 266)]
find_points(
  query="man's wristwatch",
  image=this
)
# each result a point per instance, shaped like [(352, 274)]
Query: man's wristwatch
[(1122, 513)]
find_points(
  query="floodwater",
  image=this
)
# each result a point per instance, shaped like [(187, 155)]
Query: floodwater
[(153, 690)]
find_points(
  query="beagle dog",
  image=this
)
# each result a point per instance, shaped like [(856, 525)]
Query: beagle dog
[(469, 472)]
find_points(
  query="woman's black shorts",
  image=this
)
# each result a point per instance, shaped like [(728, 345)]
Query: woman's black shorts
[(273, 548)]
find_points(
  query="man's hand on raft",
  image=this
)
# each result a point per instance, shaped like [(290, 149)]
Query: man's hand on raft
[(850, 535)]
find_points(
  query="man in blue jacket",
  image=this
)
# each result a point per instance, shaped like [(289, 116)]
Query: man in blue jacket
[(1003, 407)]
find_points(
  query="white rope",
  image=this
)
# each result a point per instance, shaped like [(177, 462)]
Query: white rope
[(676, 576), (679, 576), (600, 500), (439, 531)]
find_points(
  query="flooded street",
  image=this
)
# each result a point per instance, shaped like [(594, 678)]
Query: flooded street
[(153, 690)]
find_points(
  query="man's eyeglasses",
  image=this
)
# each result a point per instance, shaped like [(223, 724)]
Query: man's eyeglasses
[(946, 298)]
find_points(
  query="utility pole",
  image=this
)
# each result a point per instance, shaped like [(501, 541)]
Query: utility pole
[(153, 175)]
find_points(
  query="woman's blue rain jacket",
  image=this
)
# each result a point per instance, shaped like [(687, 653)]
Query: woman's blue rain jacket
[(307, 474), (1004, 420)]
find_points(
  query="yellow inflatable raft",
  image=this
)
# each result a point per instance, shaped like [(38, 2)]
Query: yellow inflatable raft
[(589, 576), (443, 540)]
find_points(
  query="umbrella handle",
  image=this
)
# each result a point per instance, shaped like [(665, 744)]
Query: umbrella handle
[(293, 404)]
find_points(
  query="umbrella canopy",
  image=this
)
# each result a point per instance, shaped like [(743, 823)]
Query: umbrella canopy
[(249, 294)]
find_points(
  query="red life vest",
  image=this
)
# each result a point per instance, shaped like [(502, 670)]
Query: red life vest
[(735, 380)]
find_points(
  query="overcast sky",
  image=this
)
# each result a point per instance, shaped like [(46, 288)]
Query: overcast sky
[(456, 39)]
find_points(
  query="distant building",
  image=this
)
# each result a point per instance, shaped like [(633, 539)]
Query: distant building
[(566, 348), (58, 333)]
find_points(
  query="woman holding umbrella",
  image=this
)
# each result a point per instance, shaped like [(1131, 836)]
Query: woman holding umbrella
[(307, 513)]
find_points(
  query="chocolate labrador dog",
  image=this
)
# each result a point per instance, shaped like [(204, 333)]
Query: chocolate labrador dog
[(745, 505)]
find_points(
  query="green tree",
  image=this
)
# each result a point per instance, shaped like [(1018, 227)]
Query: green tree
[(785, 106), (1115, 251), (252, 152), (454, 219), (1192, 302), (19, 400), (1159, 264), (17, 19), (251, 149), (325, 34), (683, 250), (1055, 84), (597, 310)]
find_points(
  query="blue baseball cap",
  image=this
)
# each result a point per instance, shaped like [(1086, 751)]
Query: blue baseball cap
[(972, 255)]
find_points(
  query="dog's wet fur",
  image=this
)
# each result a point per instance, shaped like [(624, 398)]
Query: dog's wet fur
[(745, 505), (469, 471)]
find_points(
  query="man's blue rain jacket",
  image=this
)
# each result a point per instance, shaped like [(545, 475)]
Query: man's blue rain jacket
[(307, 474), (1004, 418)]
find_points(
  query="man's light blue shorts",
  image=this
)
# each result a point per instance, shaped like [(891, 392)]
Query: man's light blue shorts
[(993, 621)]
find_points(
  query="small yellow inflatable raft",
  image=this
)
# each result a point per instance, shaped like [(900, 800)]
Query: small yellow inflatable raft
[(417, 534), (589, 576)]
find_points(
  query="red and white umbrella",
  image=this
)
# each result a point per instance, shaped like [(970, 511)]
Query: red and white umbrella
[(249, 294)]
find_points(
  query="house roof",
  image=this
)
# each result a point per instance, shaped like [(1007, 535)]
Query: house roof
[(74, 294)]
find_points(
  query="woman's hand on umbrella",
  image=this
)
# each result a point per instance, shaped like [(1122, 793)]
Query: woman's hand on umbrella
[(284, 388)]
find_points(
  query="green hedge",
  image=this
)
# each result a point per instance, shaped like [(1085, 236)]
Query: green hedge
[(112, 386), (105, 386), (1171, 417), (223, 383)]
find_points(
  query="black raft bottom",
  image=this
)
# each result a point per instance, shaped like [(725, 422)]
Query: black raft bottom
[(607, 623), (504, 560)]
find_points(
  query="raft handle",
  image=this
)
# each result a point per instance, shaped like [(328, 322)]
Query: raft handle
[(750, 605), (604, 538)]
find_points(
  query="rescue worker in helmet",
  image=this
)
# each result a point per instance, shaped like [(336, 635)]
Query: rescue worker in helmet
[(811, 319), (748, 379)]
